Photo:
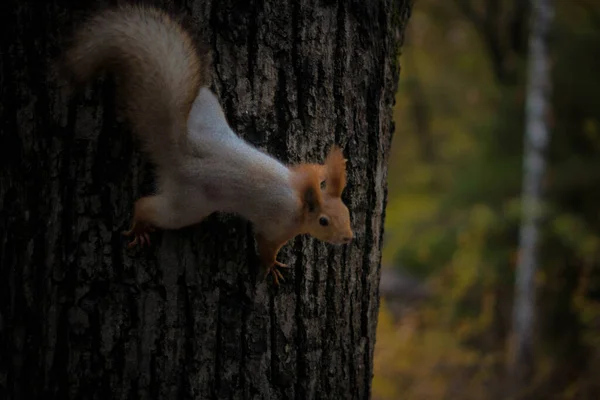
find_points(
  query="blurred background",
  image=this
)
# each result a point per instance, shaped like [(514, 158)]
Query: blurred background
[(453, 215)]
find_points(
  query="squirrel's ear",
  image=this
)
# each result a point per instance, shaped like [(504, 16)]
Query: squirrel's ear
[(307, 180), (311, 198), (335, 165)]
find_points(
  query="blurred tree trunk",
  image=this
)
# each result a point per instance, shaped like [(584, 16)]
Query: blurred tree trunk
[(80, 317), (534, 166)]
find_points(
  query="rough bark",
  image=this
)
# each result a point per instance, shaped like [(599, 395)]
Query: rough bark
[(81, 317), (534, 168)]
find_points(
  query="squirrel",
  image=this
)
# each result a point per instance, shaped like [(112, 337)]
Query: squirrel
[(202, 165)]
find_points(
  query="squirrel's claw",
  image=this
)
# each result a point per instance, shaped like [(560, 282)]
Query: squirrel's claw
[(140, 233), (275, 272)]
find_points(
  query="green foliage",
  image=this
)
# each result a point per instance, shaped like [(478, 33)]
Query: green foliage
[(454, 211)]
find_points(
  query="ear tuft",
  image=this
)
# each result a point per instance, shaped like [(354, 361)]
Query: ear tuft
[(335, 166)]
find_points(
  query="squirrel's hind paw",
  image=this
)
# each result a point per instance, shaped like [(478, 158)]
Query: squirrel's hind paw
[(141, 234)]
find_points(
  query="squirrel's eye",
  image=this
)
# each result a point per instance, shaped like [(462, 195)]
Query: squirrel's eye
[(323, 184), (323, 221)]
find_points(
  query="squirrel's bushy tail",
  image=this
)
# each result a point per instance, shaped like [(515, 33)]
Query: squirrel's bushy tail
[(156, 65)]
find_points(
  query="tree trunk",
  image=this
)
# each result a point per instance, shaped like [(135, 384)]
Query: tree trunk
[(536, 142), (82, 317)]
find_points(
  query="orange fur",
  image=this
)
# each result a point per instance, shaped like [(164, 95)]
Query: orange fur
[(335, 166), (327, 203), (307, 183), (315, 205)]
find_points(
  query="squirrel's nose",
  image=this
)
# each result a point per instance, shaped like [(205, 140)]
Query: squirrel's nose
[(347, 239)]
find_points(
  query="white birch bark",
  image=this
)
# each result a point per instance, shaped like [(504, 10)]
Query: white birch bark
[(536, 141)]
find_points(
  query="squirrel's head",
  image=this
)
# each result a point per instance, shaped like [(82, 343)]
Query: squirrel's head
[(326, 216)]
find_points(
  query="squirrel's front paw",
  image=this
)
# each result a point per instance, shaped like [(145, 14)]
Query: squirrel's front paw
[(141, 234), (273, 269)]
